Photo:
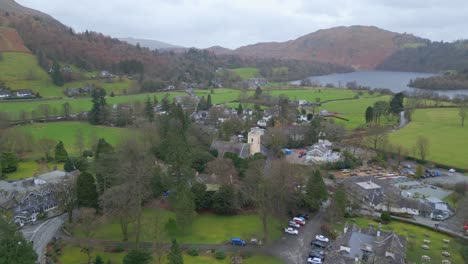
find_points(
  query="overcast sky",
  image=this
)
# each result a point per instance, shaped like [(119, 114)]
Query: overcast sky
[(234, 23)]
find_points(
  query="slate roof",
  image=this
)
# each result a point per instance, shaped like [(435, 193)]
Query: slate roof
[(241, 149)]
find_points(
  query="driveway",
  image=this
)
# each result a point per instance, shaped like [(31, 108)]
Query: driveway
[(295, 249), (41, 233)]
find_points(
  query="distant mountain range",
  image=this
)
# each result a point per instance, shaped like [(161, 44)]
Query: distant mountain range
[(151, 44), (359, 47)]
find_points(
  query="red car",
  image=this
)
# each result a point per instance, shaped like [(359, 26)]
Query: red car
[(299, 221)]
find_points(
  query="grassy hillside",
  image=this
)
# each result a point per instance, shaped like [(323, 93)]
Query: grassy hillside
[(247, 73), (446, 136), (14, 109), (16, 66)]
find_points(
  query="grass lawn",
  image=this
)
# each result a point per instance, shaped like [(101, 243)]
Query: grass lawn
[(72, 255), (20, 66), (261, 259), (77, 105), (27, 169), (247, 73), (443, 130), (413, 249), (66, 132), (205, 229)]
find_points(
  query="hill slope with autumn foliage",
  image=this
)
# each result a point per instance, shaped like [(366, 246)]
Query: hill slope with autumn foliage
[(361, 47)]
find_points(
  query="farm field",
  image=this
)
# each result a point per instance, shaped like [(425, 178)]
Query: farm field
[(247, 73), (73, 255), (413, 247), (222, 228), (20, 66), (27, 169), (443, 130), (354, 110), (77, 105), (221, 95), (66, 132)]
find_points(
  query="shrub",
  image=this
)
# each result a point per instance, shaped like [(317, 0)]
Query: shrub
[(87, 153), (385, 216), (220, 254), (119, 248), (328, 231), (193, 252)]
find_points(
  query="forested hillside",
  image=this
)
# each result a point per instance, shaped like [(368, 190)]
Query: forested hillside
[(455, 81), (433, 57), (50, 40)]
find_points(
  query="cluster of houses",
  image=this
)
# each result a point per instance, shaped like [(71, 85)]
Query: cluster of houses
[(26, 200), (81, 91), (253, 83), (22, 93), (369, 245), (399, 195)]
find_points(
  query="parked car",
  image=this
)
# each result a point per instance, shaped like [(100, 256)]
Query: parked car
[(291, 231), (316, 254), (314, 260), (304, 216), (451, 170), (237, 242), (299, 220), (319, 251), (294, 224), (322, 238), (318, 244), (438, 217)]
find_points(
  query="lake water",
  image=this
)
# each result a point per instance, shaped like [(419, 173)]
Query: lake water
[(395, 81)]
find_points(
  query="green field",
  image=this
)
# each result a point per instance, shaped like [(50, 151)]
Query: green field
[(447, 139), (73, 255), (206, 228), (246, 73), (354, 110), (77, 105), (413, 248), (20, 66), (221, 95), (27, 169), (66, 132)]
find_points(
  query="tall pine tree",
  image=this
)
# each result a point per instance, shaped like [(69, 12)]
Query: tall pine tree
[(369, 114), (61, 154), (99, 112), (149, 110), (56, 74), (175, 255), (86, 193), (208, 102), (316, 191)]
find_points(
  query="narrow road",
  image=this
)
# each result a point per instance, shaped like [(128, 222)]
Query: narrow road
[(40, 234)]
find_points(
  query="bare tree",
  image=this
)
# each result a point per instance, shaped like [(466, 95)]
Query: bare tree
[(135, 172), (79, 140), (275, 139), (258, 189), (45, 110), (46, 145), (224, 169), (422, 146), (376, 137), (66, 196), (118, 202), (159, 236), (462, 113), (86, 221)]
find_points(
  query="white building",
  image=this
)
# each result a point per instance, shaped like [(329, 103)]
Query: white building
[(322, 152)]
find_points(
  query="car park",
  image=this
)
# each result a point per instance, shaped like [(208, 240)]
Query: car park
[(322, 238), (299, 220), (314, 260), (237, 242), (294, 224), (291, 231)]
